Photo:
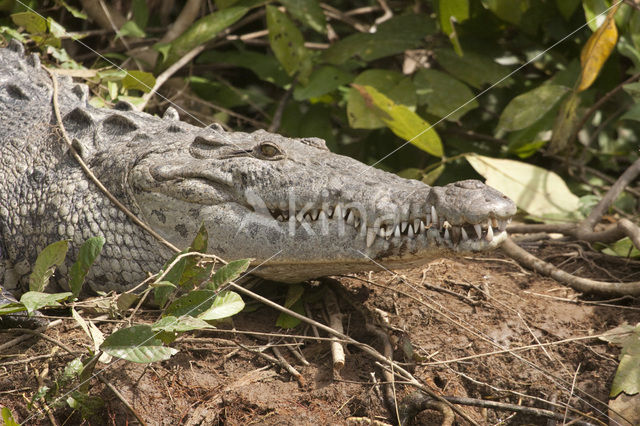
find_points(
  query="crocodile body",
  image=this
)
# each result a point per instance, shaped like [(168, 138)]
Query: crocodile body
[(299, 210)]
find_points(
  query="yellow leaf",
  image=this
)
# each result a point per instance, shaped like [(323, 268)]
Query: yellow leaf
[(598, 48), (402, 121)]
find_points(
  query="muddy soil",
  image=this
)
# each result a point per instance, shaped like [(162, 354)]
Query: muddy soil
[(479, 327)]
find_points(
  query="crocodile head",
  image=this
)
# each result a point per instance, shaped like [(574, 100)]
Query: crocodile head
[(301, 211)]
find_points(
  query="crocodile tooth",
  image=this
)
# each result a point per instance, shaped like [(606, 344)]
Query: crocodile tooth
[(421, 227), (371, 236), (390, 230), (382, 232), (329, 211), (478, 229), (493, 222), (322, 216), (396, 231), (489, 235), (314, 214), (434, 216), (280, 218), (403, 226), (428, 220), (416, 225), (410, 232), (350, 217), (446, 234), (446, 224), (337, 213), (465, 237), (502, 224), (307, 217)]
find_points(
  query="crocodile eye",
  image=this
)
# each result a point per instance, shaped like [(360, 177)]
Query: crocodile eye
[(269, 151)]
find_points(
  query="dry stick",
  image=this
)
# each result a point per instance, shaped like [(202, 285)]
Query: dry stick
[(166, 74), (335, 322), (39, 333), (89, 173), (599, 103), (122, 399), (277, 117), (12, 343), (364, 347)]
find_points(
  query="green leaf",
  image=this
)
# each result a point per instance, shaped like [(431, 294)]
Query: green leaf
[(565, 123), (30, 21), (287, 321), (200, 241), (567, 7), (174, 275), (308, 12), (171, 324), (472, 68), (193, 303), (508, 10), (52, 256), (228, 272), (7, 417), (431, 177), (88, 253), (622, 248), (266, 67), (537, 191), (139, 80), (400, 33), (450, 11), (75, 12), (531, 106), (11, 308), (392, 84), (33, 300), (322, 81), (627, 378), (137, 344), (201, 31), (88, 405), (225, 305), (402, 121), (287, 44), (632, 114), (140, 13), (56, 29), (444, 95), (594, 12)]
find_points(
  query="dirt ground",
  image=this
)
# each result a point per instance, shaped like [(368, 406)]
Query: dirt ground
[(455, 324)]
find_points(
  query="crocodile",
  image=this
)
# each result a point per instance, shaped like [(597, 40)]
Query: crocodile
[(297, 209)]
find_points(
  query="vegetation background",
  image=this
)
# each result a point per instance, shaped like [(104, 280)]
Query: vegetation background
[(432, 90)]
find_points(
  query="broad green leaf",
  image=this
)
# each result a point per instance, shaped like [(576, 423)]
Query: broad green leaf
[(226, 304), (52, 256), (287, 44), (529, 107), (34, 300), (130, 29), (228, 272), (174, 275), (431, 177), (88, 405), (392, 84), (294, 293), (594, 12), (193, 303), (565, 123), (137, 344), (448, 9), (202, 31), (322, 81), (88, 253), (200, 241), (632, 114), (526, 150), (192, 272), (472, 68), (126, 300), (597, 50), (139, 80), (75, 12), (508, 10), (56, 29), (140, 13), (402, 121), (633, 90), (11, 308), (627, 378), (444, 95), (622, 248), (400, 33), (287, 321), (171, 324), (308, 12), (30, 21), (72, 370), (537, 191), (7, 417), (567, 7)]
